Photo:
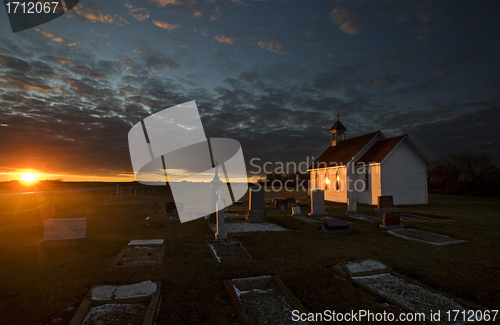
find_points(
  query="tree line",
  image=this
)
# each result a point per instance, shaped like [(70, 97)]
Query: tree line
[(465, 173)]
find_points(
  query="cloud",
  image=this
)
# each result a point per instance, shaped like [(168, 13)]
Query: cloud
[(163, 3), (217, 14), (55, 38), (347, 22), (384, 79), (272, 46), (197, 14), (97, 16), (140, 14), (165, 25), (225, 38)]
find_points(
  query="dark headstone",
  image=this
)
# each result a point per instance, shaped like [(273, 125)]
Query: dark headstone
[(303, 204), (336, 225), (391, 219), (280, 204), (238, 202), (291, 201), (266, 202), (385, 202), (257, 199), (335, 228), (170, 207), (156, 208)]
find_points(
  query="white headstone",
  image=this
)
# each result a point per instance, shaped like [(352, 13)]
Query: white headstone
[(62, 229), (296, 211), (352, 205), (221, 222), (317, 203)]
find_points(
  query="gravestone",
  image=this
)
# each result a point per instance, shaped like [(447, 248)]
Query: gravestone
[(155, 219), (280, 204), (296, 211), (352, 206), (170, 208), (290, 201), (238, 202), (303, 204), (385, 205), (266, 202), (335, 228), (385, 201), (64, 229), (221, 222), (257, 208), (318, 203), (391, 221)]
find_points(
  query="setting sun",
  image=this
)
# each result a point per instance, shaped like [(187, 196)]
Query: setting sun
[(28, 177)]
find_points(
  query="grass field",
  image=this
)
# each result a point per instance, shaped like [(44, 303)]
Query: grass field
[(43, 285)]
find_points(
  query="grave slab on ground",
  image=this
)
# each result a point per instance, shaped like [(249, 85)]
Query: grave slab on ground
[(335, 228), (263, 300), (65, 232), (306, 219), (229, 251), (134, 304), (425, 237), (406, 293), (243, 226), (365, 217), (140, 253)]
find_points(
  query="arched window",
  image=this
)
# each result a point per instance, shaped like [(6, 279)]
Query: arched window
[(327, 181), (316, 180), (337, 180)]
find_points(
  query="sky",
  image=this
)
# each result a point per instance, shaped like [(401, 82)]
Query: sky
[(269, 74)]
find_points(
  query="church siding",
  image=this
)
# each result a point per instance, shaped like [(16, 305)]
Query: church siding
[(404, 176)]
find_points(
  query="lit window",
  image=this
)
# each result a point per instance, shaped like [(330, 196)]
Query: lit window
[(337, 180), (327, 181), (316, 180)]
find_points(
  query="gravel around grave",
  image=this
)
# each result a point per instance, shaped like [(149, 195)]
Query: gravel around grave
[(262, 301), (230, 251), (140, 255), (117, 314), (412, 296)]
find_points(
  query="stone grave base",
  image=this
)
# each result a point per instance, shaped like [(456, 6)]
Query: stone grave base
[(317, 215), (404, 292), (379, 212), (243, 226), (263, 300), (135, 303), (64, 242), (393, 227), (140, 253), (425, 237), (306, 219), (257, 216), (229, 251)]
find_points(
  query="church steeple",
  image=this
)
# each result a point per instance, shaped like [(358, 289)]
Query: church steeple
[(337, 132)]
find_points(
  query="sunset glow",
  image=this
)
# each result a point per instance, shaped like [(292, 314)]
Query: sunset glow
[(28, 177)]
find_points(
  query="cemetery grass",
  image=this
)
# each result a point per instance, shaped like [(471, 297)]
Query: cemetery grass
[(45, 285)]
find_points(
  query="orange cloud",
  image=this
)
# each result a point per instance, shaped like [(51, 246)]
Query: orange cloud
[(225, 38), (347, 22), (272, 46), (165, 25)]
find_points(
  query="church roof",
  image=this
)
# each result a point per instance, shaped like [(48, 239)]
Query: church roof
[(338, 126), (343, 152), (380, 150)]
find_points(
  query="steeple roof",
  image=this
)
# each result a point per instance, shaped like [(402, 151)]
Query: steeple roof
[(338, 126)]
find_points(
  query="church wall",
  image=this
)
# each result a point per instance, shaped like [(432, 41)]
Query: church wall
[(404, 176), (331, 194), (376, 177)]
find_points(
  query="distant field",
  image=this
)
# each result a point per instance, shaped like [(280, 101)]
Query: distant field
[(46, 285)]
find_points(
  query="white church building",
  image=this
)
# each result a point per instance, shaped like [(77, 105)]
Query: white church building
[(370, 165)]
